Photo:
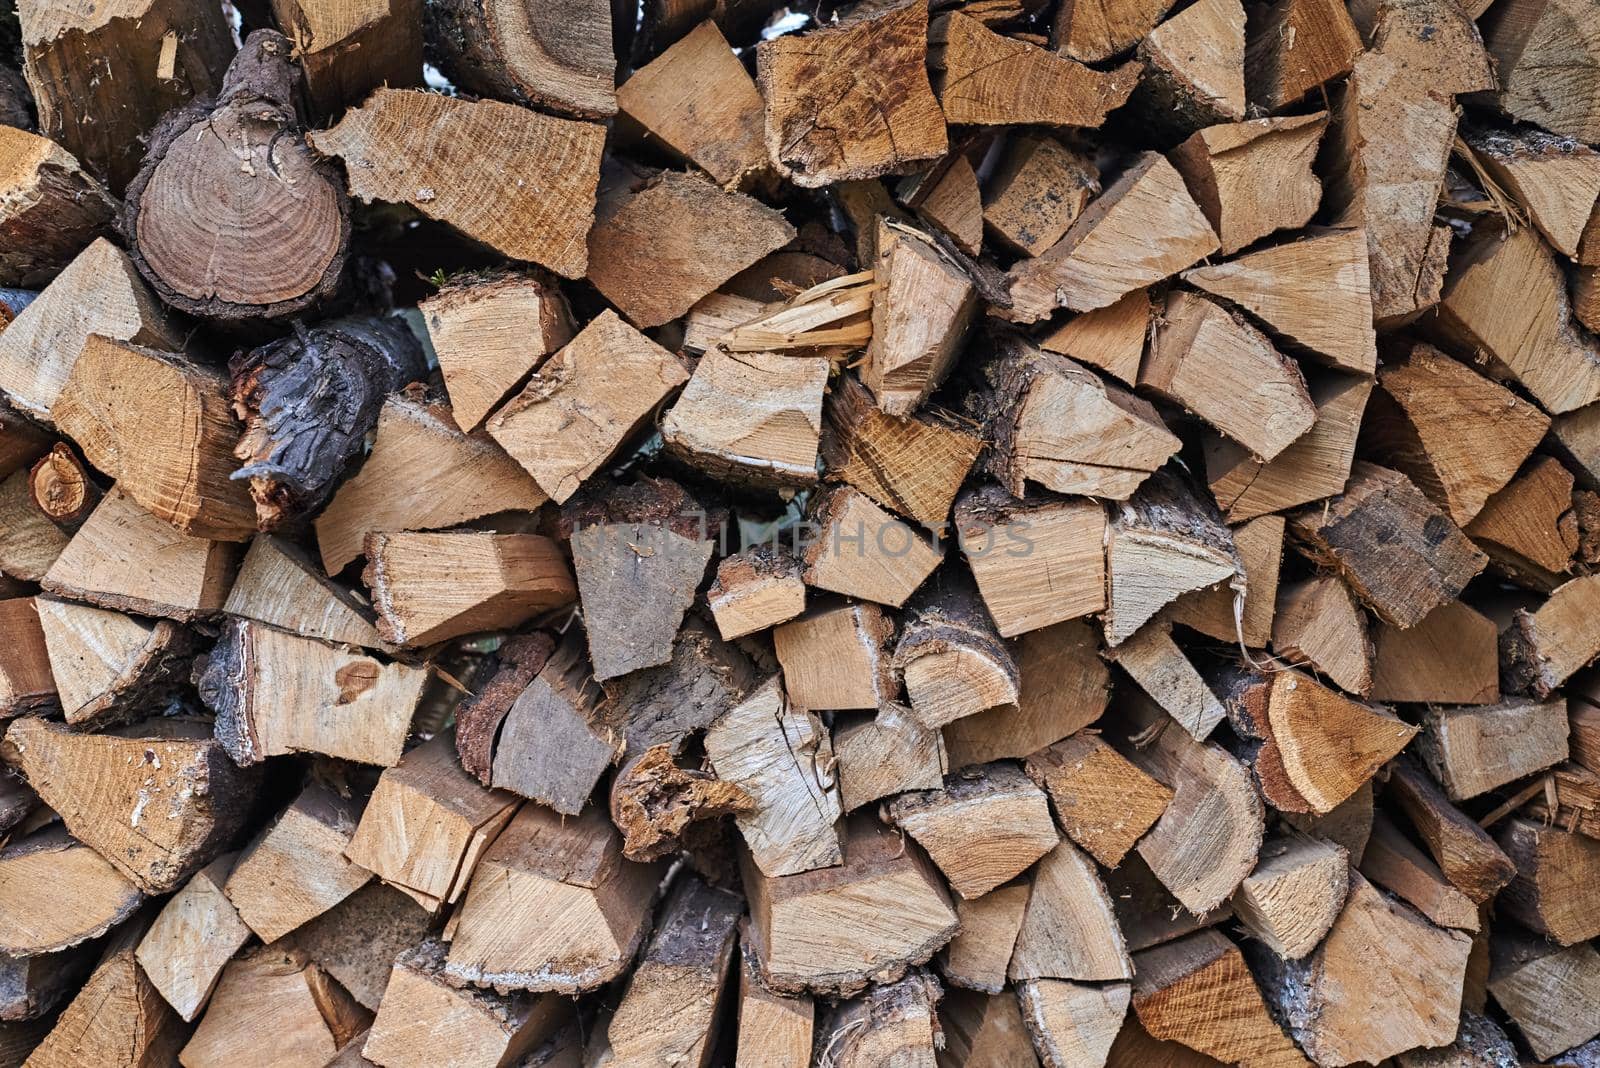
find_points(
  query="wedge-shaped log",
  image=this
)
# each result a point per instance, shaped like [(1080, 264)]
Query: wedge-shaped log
[(986, 825), (274, 998), (1253, 178), (192, 939)]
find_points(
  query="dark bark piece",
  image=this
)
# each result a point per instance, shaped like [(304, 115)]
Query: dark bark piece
[(479, 716), (232, 217), (309, 401)]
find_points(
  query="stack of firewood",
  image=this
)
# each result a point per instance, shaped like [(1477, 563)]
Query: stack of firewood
[(991, 533)]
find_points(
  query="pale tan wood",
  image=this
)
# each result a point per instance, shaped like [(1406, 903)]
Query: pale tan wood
[(884, 754), (274, 999), (544, 218), (108, 666), (1294, 894), (158, 803), (834, 657), (1529, 528), (837, 929), (1468, 857), (1392, 862), (1069, 930), (1553, 179), (1474, 750), (750, 418), (422, 473), (1531, 37), (99, 292), (276, 693), (27, 678), (193, 937), (1164, 541), (1250, 178), (57, 893), (983, 1031), (53, 208), (867, 78), (1293, 46), (1158, 665), (1211, 612), (1094, 32), (923, 304), (552, 906), (1315, 292), (488, 332), (1194, 67), (1539, 650), (279, 584), (1318, 624), (1549, 993), (774, 1031), (782, 757), (989, 79), (1073, 1024), (894, 1023), (954, 204), (1040, 187), (1348, 825), (1095, 263), (62, 488), (1110, 338), (1556, 870), (986, 825), (427, 824), (1103, 802), (1449, 657), (949, 655), (754, 590), (832, 318), (977, 957), (1009, 543), (1221, 368)]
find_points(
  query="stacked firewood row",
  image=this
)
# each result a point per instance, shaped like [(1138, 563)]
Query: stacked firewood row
[(981, 533)]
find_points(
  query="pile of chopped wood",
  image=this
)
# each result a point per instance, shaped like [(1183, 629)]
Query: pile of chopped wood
[(991, 533)]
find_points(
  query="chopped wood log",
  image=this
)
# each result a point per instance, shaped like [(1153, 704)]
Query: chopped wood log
[(425, 1019), (868, 76), (63, 489), (552, 906), (1224, 370), (357, 941), (1529, 528), (1534, 36), (781, 757), (1555, 180), (579, 408), (1210, 611), (53, 209), (989, 79), (1040, 187), (231, 216), (885, 754), (1072, 1024), (1110, 338), (654, 801), (544, 218), (1052, 422), (423, 473), (559, 61), (949, 655), (427, 824), (1254, 178), (1449, 657), (1547, 992), (1065, 686), (984, 1031), (1294, 895), (1103, 802), (754, 590), (883, 877), (1318, 622), (1164, 541), (774, 1031), (158, 804), (1314, 293), (924, 301), (1156, 663), (949, 198), (1008, 543), (986, 825), (99, 292), (103, 78), (980, 953), (1534, 342), (1474, 750), (1540, 650), (308, 403), (296, 869), (1095, 263), (550, 746), (109, 667), (1424, 559), (751, 418), (271, 997), (275, 693), (27, 680), (22, 441), (1294, 46), (836, 657), (477, 326), (1095, 32), (1392, 862), (1199, 992), (671, 242), (831, 318), (669, 1011), (1194, 68), (1317, 746), (1146, 910), (1468, 857), (279, 584), (192, 939), (1555, 869), (1069, 930), (892, 1023), (59, 892), (30, 543), (347, 52), (1315, 465), (1570, 801)]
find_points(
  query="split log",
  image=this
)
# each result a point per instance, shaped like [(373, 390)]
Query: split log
[(192, 939), (1009, 543), (1529, 528), (1317, 621), (989, 79), (1094, 264), (781, 757), (1251, 178), (1294, 46), (544, 218), (1555, 870), (666, 245), (1449, 657), (751, 418), (948, 197), (654, 802), (920, 312), (1194, 68), (27, 681), (559, 61), (274, 998), (427, 824), (231, 217), (868, 76), (308, 403), (109, 667), (1069, 930), (1474, 750), (836, 657), (423, 473), (552, 906), (159, 803), (63, 489), (755, 590), (551, 746), (984, 1031), (1549, 993), (345, 54), (472, 323), (885, 754), (1156, 663), (893, 1023), (1110, 338), (863, 551), (1224, 370), (53, 209), (978, 956), (1295, 893), (613, 375), (1073, 1025), (1571, 801), (30, 543), (1103, 802), (1540, 650), (987, 825), (357, 941), (1533, 36), (1392, 862), (1037, 191), (280, 585), (952, 660), (1314, 293), (99, 292), (1467, 856), (1555, 180), (697, 99), (882, 877), (774, 1031), (1210, 611), (59, 893), (275, 693)]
